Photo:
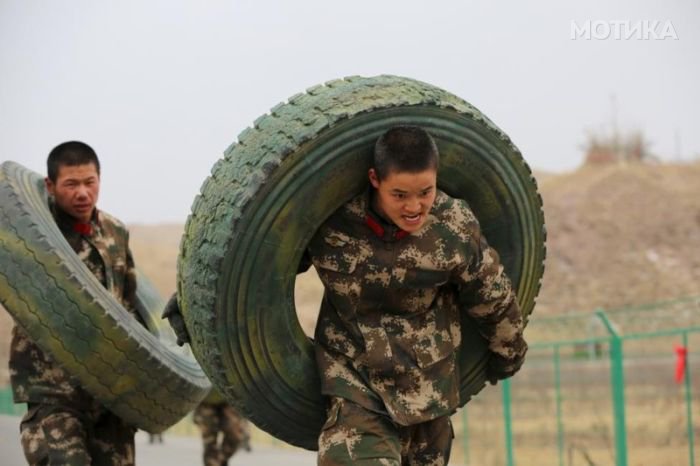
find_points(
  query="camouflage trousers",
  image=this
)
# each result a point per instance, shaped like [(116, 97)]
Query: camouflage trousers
[(353, 435), (223, 431), (59, 435)]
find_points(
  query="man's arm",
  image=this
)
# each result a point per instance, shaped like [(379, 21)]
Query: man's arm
[(486, 295), (176, 321)]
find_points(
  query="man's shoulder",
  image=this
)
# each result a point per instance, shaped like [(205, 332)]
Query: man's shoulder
[(351, 212), (345, 229), (454, 213), (355, 207), (111, 224)]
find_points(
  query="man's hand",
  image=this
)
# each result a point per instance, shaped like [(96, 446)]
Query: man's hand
[(172, 313), (500, 368)]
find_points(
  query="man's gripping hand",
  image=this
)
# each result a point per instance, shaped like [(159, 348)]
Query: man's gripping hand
[(174, 316), (500, 368)]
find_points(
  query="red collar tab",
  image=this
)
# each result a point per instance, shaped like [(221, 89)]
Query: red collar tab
[(375, 226), (82, 228), (401, 234), (379, 230)]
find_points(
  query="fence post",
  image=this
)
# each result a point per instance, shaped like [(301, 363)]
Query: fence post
[(5, 407), (507, 418), (557, 389), (617, 377), (688, 402)]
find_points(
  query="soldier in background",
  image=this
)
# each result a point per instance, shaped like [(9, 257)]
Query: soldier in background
[(399, 264), (223, 429), (155, 438), (64, 424)]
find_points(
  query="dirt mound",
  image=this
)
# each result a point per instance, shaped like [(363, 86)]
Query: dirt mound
[(621, 235)]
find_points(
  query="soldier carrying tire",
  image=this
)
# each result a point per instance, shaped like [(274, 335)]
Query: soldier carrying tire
[(399, 263), (64, 424)]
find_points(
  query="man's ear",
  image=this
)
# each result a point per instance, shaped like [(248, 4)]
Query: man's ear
[(49, 185), (373, 179)]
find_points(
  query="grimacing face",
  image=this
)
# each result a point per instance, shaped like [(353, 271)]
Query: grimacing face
[(76, 190), (405, 198)]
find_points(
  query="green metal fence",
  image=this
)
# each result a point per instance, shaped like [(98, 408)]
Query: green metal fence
[(597, 389), (7, 406)]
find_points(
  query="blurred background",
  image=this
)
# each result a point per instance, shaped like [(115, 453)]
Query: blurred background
[(601, 98)]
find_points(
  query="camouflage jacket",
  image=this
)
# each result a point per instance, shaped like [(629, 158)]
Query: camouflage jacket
[(103, 247), (389, 324)]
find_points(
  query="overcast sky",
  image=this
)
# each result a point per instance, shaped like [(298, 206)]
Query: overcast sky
[(161, 88)]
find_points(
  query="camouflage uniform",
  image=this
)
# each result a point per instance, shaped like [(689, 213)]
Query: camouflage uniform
[(215, 416), (389, 328), (64, 424)]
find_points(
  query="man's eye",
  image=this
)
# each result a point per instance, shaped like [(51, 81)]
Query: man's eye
[(399, 195)]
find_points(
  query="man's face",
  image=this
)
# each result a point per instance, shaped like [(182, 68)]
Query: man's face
[(76, 190), (406, 198)]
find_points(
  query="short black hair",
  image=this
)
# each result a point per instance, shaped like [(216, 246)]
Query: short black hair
[(405, 148), (70, 153)]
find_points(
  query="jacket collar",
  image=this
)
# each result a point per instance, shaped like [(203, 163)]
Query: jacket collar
[(68, 223), (380, 226)]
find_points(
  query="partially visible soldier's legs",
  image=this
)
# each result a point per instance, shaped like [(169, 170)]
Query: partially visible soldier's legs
[(353, 435), (112, 441), (54, 435), (428, 443), (235, 430), (206, 417)]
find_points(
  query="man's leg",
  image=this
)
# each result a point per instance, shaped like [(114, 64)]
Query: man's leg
[(428, 443), (235, 430), (206, 417), (353, 435), (112, 441), (54, 435)]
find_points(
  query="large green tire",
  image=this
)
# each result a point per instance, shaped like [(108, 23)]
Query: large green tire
[(272, 190), (139, 373)]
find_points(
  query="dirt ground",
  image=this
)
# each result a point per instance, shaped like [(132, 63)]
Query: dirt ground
[(176, 450)]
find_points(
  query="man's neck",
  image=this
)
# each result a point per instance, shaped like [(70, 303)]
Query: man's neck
[(63, 218), (376, 210)]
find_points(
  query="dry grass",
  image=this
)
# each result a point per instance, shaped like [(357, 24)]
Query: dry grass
[(656, 426)]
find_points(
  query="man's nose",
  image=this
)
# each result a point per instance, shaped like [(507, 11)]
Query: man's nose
[(413, 205), (82, 191)]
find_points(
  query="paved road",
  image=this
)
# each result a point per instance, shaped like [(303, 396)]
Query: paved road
[(174, 451)]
